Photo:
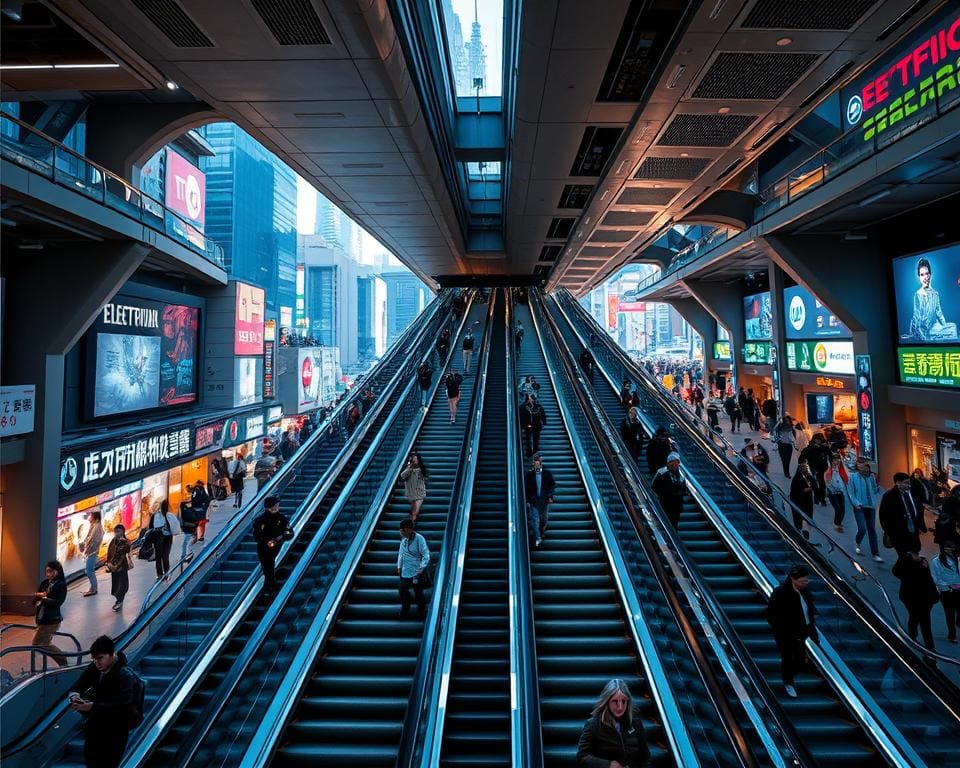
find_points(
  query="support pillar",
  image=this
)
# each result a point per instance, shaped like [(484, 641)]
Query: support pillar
[(52, 298), (699, 319)]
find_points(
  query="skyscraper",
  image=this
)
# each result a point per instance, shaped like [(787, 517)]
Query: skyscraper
[(252, 211), (330, 293), (406, 297), (458, 50)]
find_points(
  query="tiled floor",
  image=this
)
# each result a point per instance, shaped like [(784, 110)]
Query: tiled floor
[(88, 617)]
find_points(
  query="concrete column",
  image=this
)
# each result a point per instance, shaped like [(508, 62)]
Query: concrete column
[(725, 305), (699, 319), (52, 298), (852, 279), (791, 395)]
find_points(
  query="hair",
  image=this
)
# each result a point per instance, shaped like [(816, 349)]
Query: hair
[(56, 566), (917, 469), (633, 411), (800, 425), (423, 467), (799, 571), (96, 515), (602, 708), (406, 524), (943, 555), (119, 530), (103, 644), (900, 476), (924, 263), (270, 502), (164, 507)]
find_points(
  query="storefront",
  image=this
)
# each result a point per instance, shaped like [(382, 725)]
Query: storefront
[(933, 444), (826, 400), (225, 439)]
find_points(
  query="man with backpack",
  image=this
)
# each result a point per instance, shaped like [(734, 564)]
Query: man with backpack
[(200, 503), (110, 696)]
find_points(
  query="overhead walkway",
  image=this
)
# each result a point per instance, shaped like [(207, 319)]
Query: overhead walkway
[(186, 627), (872, 699)]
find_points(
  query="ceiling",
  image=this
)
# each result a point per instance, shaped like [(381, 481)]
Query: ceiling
[(629, 113)]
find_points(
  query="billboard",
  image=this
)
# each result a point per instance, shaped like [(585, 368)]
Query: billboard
[(820, 356), (808, 318), (721, 350), (143, 355), (927, 294), (249, 320), (185, 189), (247, 380), (758, 317), (865, 415), (931, 366), (757, 353), (310, 378)]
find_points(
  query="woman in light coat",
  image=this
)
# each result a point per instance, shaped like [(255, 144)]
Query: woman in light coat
[(414, 477)]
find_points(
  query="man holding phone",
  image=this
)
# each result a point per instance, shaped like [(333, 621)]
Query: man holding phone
[(106, 702), (270, 530)]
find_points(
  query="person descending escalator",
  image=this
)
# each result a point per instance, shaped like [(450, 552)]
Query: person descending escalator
[(587, 364), (538, 485), (270, 530), (670, 485), (452, 382), (532, 421), (659, 447), (424, 379), (412, 561), (791, 614), (631, 430), (625, 396), (613, 736), (518, 336)]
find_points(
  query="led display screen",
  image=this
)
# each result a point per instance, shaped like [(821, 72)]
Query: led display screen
[(247, 380), (930, 366), (757, 353), (808, 318), (721, 350), (820, 356), (758, 317), (248, 338), (143, 356), (927, 291)]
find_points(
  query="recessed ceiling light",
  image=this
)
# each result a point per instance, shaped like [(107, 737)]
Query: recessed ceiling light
[(656, 186), (684, 154), (723, 110), (784, 41), (171, 86)]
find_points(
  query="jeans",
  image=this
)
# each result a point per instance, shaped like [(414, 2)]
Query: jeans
[(786, 453), (951, 611), (467, 357), (919, 617), (163, 555), (90, 568), (404, 590), (43, 638), (866, 518), (537, 517), (838, 502)]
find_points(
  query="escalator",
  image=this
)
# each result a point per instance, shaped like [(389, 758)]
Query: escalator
[(351, 709), (820, 717), (580, 626), (477, 725)]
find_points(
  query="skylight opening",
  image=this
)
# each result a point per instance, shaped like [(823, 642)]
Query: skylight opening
[(474, 34), (483, 171)]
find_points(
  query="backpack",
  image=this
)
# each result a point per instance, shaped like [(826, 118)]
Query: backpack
[(135, 716), (148, 549)]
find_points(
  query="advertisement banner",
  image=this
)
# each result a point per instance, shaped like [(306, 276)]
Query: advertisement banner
[(757, 353), (613, 306), (821, 356), (247, 380), (185, 190), (268, 388), (722, 351), (143, 355), (758, 317), (909, 79), (248, 339), (927, 292), (89, 467), (310, 378), (16, 409), (933, 366), (807, 318), (865, 418)]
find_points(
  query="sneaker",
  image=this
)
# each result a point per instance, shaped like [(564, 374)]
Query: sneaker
[(538, 542), (117, 606), (858, 551), (839, 528), (791, 691), (90, 593), (877, 559)]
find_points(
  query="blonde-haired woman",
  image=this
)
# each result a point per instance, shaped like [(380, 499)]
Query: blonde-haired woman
[(613, 736)]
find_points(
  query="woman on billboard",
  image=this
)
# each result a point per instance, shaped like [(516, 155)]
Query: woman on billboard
[(928, 322)]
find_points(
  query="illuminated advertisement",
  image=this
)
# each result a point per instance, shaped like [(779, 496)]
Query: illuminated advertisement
[(248, 338), (268, 361), (117, 507), (911, 78), (932, 366), (808, 318), (820, 356), (830, 409), (866, 428), (757, 353), (758, 317), (721, 350), (948, 454), (247, 380), (613, 306), (185, 189), (143, 355), (310, 378), (927, 292)]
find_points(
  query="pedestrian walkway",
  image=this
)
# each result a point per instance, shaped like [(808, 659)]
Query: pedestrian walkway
[(823, 516), (89, 617)]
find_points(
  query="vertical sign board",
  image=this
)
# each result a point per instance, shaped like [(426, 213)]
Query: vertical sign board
[(249, 320), (865, 419), (16, 409), (268, 390)]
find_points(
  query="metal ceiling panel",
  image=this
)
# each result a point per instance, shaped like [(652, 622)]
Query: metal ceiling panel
[(679, 168), (648, 195), (705, 130), (174, 22), (806, 14), (627, 218), (292, 22), (760, 76)]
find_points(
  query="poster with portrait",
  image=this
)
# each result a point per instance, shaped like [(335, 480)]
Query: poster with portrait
[(927, 292), (758, 317)]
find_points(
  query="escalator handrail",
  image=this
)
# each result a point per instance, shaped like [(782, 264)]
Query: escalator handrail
[(631, 485), (890, 627), (274, 721), (422, 733), (661, 691), (526, 737), (144, 624), (206, 654)]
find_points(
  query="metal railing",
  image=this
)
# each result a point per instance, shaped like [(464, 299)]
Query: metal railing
[(44, 653), (46, 156), (713, 239)]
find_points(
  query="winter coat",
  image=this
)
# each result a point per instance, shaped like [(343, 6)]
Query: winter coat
[(601, 743), (414, 483), (48, 608)]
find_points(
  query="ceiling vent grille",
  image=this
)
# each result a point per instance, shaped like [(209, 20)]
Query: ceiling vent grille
[(809, 14), (627, 218), (170, 18), (550, 252), (680, 168), (705, 130), (292, 22), (647, 196), (575, 195), (611, 236), (560, 229), (595, 150), (753, 75)]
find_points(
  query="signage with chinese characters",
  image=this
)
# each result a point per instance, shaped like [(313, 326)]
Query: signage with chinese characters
[(209, 435), (86, 468), (934, 366), (249, 320), (865, 417), (757, 353), (16, 409), (820, 356), (826, 381), (268, 387)]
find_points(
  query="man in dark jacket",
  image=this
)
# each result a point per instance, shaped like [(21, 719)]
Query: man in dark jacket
[(587, 364), (658, 449), (901, 516), (631, 430), (817, 455), (105, 695), (671, 488), (792, 617), (532, 421), (538, 485), (200, 501), (424, 379), (270, 530)]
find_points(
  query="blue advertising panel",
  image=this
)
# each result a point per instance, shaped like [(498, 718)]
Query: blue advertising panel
[(808, 318), (758, 317), (927, 292)]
